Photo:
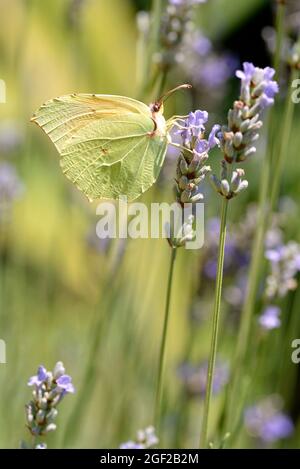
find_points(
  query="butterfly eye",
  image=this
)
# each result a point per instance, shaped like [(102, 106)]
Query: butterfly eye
[(155, 107)]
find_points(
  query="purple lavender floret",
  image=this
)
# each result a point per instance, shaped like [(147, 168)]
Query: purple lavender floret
[(39, 378), (64, 382), (194, 128)]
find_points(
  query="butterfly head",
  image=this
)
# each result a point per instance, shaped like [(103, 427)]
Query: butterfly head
[(157, 109)]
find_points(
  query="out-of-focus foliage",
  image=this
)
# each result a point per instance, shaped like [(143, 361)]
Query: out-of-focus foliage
[(57, 278)]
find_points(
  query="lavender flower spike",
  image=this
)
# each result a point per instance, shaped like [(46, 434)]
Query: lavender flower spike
[(257, 85), (49, 390), (191, 169), (238, 138)]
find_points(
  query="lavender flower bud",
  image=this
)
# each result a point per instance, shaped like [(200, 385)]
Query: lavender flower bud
[(50, 428), (242, 186), (224, 187), (216, 183), (59, 370), (41, 446)]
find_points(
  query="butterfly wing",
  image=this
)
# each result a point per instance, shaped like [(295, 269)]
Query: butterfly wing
[(106, 143)]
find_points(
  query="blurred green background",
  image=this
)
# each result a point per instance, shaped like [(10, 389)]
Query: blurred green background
[(58, 283)]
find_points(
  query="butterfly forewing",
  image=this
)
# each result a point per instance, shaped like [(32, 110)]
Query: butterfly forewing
[(106, 143)]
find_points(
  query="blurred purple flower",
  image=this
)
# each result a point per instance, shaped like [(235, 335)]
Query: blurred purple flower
[(11, 136), (235, 254), (276, 427), (131, 445), (270, 318), (274, 255), (11, 186), (284, 265), (202, 45), (144, 439), (210, 269), (215, 70), (267, 422), (186, 2)]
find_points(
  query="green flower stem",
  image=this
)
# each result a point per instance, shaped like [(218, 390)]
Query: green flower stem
[(158, 395), (280, 15), (258, 243), (257, 253), (284, 141), (249, 303), (215, 325), (183, 405)]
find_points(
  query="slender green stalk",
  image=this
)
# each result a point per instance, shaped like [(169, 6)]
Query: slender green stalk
[(249, 303), (258, 243), (158, 395), (183, 401), (284, 141), (215, 325), (257, 253), (280, 15)]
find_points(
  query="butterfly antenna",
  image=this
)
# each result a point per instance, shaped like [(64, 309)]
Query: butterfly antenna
[(165, 96)]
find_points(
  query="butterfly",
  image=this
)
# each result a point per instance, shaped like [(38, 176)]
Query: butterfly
[(108, 145)]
